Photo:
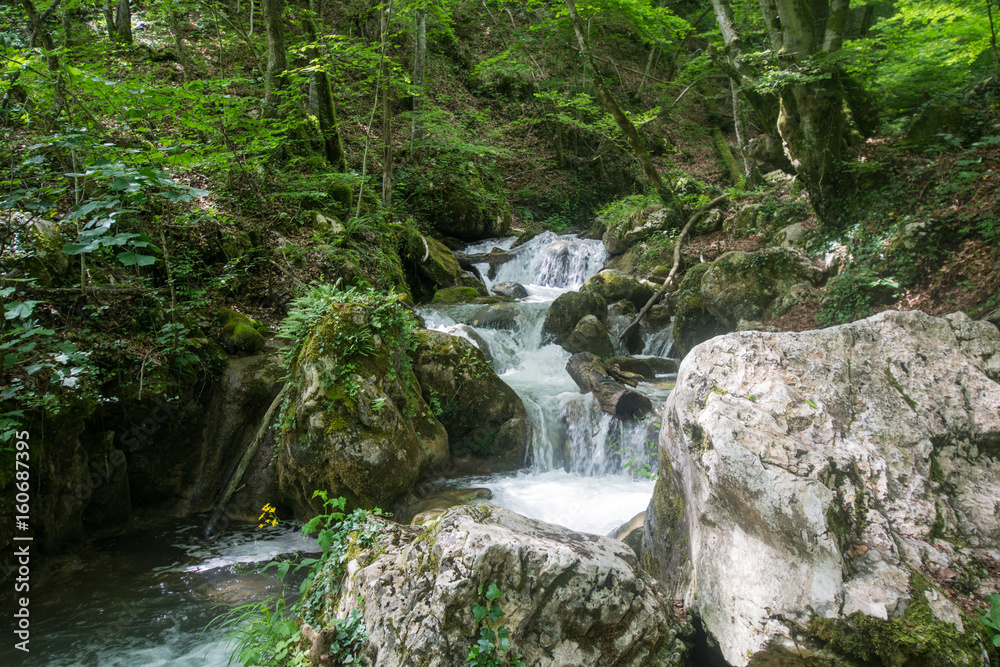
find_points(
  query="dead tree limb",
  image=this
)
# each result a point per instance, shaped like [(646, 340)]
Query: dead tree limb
[(677, 264)]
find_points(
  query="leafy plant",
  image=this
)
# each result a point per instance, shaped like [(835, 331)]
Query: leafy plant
[(991, 618), (853, 295), (493, 648)]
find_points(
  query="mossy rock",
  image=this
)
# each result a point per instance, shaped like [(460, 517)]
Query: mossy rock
[(485, 419), (239, 333), (462, 198), (355, 423), (616, 286), (746, 222), (693, 323), (948, 117), (589, 335), (456, 295), (744, 286), (568, 309)]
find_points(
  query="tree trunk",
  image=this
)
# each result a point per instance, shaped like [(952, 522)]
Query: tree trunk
[(419, 73), (277, 60), (109, 20), (326, 110), (44, 37), (386, 115), (592, 376), (123, 22), (635, 141)]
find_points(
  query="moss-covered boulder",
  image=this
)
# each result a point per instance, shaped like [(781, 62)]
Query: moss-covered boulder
[(616, 285), (948, 117), (744, 286), (355, 423), (472, 403), (568, 309), (464, 198), (628, 230), (456, 295), (240, 334), (745, 223), (693, 323), (589, 335), (498, 316), (432, 266)]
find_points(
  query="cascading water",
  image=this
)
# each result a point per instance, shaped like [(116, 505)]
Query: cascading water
[(578, 453), (148, 601)]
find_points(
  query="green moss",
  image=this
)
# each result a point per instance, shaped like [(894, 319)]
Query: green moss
[(239, 332), (898, 387), (915, 638), (456, 295)]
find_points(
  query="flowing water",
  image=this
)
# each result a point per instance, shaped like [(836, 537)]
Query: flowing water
[(147, 600), (584, 469)]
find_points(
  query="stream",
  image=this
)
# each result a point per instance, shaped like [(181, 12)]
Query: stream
[(147, 600)]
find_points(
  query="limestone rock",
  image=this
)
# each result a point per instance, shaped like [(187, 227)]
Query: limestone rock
[(570, 308), (790, 236), (743, 286), (615, 286), (469, 399), (569, 599), (589, 335), (356, 424), (498, 316), (809, 480)]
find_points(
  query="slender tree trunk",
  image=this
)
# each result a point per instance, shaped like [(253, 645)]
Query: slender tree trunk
[(326, 110), (40, 32), (386, 115), (635, 140), (419, 75), (277, 60), (109, 20)]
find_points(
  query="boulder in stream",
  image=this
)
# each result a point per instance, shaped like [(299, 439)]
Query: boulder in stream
[(616, 285), (824, 496), (472, 403), (355, 424), (568, 309), (589, 335), (510, 289), (568, 599)]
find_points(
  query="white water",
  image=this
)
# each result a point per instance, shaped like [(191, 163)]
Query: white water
[(148, 600), (584, 463)]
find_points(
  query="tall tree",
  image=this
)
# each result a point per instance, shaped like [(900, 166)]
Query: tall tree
[(277, 58), (419, 74), (326, 110), (40, 32), (635, 140), (118, 18), (386, 112)]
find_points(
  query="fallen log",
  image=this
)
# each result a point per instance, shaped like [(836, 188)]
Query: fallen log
[(592, 376)]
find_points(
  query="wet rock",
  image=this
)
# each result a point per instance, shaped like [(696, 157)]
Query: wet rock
[(658, 316), (631, 533), (436, 267), (469, 399), (567, 598), (744, 286), (632, 365), (238, 333), (510, 289), (809, 481), (570, 308), (614, 286), (425, 509), (662, 366), (692, 322), (356, 424), (589, 335), (498, 316)]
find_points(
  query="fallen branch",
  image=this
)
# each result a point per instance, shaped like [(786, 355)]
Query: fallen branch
[(248, 455), (677, 264), (94, 291)]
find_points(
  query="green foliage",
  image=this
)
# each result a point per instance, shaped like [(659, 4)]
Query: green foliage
[(269, 632), (493, 648), (991, 618), (927, 48), (853, 295)]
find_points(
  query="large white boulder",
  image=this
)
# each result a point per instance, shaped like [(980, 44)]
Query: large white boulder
[(818, 488), (569, 598)]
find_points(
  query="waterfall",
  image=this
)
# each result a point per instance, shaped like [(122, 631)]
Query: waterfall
[(570, 432)]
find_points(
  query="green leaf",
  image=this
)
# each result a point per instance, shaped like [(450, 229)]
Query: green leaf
[(812, 404), (493, 592), (135, 259), (20, 309)]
